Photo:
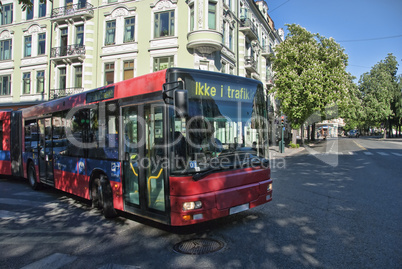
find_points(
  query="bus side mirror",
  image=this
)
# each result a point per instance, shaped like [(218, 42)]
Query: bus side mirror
[(181, 102)]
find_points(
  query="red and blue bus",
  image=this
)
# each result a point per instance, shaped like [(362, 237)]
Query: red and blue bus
[(178, 146)]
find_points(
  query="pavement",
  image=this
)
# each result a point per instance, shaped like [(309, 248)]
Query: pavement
[(274, 152)]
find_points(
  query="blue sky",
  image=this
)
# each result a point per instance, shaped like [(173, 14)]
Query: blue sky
[(355, 21)]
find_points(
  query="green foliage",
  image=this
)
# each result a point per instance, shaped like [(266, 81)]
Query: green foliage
[(25, 4), (311, 75), (293, 146), (381, 92)]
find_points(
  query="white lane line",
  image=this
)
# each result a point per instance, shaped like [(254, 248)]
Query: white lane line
[(383, 153)]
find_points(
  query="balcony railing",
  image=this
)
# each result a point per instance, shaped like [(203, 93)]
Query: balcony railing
[(59, 93), (266, 51), (73, 10), (249, 29), (70, 50), (250, 64)]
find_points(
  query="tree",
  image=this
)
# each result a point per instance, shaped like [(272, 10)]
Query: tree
[(25, 4), (379, 89), (311, 76)]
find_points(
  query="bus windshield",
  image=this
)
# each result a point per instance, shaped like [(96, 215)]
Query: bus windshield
[(226, 127)]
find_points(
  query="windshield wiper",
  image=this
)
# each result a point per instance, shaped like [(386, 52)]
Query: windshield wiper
[(201, 175)]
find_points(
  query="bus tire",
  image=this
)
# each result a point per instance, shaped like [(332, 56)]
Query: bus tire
[(35, 185), (102, 196)]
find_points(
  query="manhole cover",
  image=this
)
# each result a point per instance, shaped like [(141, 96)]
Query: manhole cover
[(198, 246)]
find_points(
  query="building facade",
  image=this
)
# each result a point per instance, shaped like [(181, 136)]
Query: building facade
[(67, 46)]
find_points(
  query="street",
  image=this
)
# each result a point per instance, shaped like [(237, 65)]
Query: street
[(336, 204)]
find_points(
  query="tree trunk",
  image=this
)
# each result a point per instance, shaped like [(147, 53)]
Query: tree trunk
[(294, 136), (313, 132), (302, 134), (385, 130)]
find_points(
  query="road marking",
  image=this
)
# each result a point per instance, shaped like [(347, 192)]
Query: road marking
[(368, 153), (351, 153), (383, 153), (56, 260), (397, 154), (360, 146)]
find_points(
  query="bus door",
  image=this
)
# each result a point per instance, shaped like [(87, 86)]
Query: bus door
[(45, 151), (144, 176)]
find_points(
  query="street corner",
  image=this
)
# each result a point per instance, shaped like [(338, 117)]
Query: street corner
[(275, 153)]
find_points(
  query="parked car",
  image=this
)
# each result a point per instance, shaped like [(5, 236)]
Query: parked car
[(353, 133)]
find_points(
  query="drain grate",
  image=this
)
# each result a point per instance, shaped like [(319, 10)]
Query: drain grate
[(198, 246)]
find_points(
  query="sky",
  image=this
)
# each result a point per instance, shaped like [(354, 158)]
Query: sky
[(368, 30)]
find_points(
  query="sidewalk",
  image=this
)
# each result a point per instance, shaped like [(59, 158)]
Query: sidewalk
[(275, 154)]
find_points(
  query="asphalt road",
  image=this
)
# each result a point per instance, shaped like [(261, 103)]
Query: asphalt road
[(336, 204)]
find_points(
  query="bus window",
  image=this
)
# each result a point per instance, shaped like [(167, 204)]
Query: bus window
[(155, 155), (103, 135), (59, 133), (31, 136), (112, 134), (76, 127), (130, 165)]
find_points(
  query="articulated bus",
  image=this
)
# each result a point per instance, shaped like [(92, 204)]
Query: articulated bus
[(177, 146)]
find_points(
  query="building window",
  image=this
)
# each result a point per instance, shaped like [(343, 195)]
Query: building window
[(112, 1), (78, 76), (79, 38), (42, 9), (110, 32), (62, 78), (5, 49), (231, 39), (212, 15), (164, 24), (109, 73), (162, 63), (30, 12), (40, 81), (28, 46), (26, 80), (192, 17), (5, 85), (129, 27), (128, 69), (6, 17), (223, 67), (41, 44)]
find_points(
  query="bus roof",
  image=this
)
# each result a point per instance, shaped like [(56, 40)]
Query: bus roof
[(135, 86)]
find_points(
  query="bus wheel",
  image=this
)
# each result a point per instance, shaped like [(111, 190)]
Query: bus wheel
[(32, 177), (102, 197)]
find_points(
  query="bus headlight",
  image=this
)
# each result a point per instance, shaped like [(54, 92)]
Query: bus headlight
[(192, 205)]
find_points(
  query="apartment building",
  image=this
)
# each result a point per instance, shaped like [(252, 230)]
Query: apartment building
[(67, 46)]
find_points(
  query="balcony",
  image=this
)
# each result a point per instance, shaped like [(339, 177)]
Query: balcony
[(68, 54), (59, 93), (249, 29), (205, 41), (267, 51), (250, 64), (73, 12)]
